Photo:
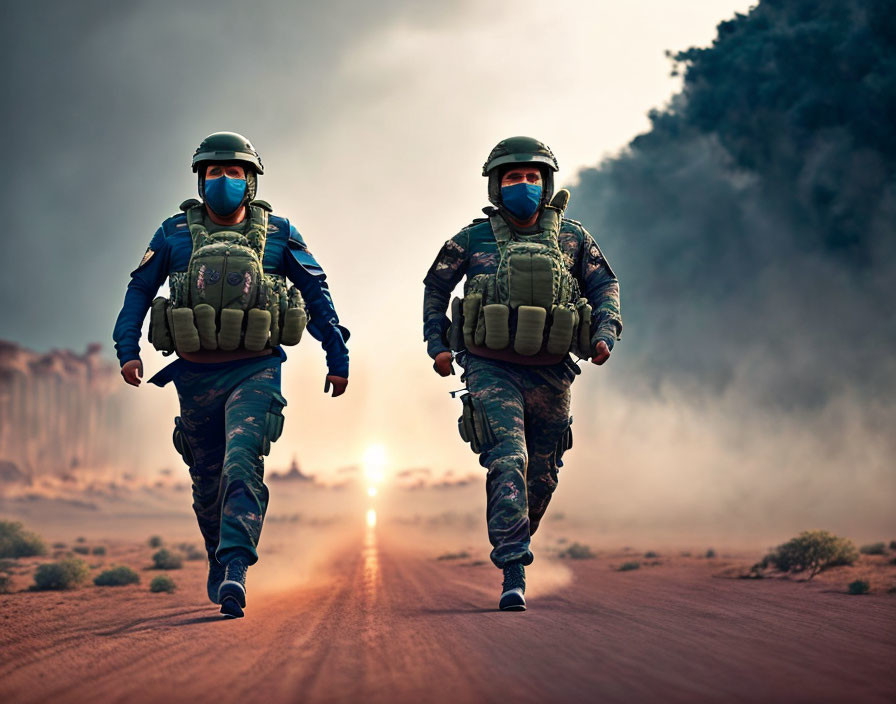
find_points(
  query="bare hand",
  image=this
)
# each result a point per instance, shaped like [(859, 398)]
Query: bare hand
[(339, 383), (132, 372), (443, 364), (601, 353)]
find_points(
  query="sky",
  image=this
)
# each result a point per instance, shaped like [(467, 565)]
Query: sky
[(373, 121)]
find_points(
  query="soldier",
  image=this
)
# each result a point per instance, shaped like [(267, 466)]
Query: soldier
[(537, 288), (229, 262)]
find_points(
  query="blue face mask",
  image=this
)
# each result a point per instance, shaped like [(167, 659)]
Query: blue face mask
[(521, 199), (224, 194)]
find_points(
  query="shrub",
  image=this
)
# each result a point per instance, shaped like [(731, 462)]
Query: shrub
[(15, 541), (98, 550), (577, 551), (628, 566), (65, 574), (155, 542), (191, 552), (5, 584), (815, 551), (710, 554), (59, 546), (80, 539), (81, 549), (893, 545), (462, 555), (162, 583), (650, 554), (164, 559), (873, 549), (117, 577), (860, 586)]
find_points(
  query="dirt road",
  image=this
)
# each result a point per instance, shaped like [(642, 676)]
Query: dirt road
[(389, 625)]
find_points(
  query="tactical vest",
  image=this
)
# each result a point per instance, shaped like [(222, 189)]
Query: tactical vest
[(531, 304), (225, 300)]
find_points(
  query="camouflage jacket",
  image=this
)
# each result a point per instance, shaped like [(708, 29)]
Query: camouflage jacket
[(285, 253), (474, 251)]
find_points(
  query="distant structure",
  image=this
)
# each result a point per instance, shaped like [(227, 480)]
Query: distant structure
[(59, 411), (294, 474)]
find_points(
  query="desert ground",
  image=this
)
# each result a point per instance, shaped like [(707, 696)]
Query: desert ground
[(386, 613)]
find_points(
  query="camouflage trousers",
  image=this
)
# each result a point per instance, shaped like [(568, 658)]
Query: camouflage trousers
[(527, 410), (230, 413)]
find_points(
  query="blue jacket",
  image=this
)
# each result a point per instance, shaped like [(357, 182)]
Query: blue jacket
[(285, 253)]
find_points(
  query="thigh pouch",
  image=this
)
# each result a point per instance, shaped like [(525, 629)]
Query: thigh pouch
[(473, 424), (273, 422), (181, 444)]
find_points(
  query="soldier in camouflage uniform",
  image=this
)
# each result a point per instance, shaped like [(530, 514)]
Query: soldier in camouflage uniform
[(516, 414), (231, 408)]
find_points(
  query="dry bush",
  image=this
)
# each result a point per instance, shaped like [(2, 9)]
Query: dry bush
[(577, 551), (164, 559), (15, 541), (860, 586), (117, 577), (812, 550), (65, 574), (162, 583), (191, 552), (873, 549)]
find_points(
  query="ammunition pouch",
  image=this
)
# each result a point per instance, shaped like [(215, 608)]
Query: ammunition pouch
[(181, 444), (530, 305), (225, 300), (456, 329), (273, 423), (473, 424)]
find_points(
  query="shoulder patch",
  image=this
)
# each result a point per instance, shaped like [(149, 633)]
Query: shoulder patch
[(147, 255)]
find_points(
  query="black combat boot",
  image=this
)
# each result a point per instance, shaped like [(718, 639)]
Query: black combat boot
[(512, 598), (232, 592), (215, 577)]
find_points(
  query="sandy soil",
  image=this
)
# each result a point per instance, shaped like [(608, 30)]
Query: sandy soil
[(383, 622)]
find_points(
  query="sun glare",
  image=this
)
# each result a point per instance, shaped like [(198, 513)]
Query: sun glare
[(374, 463), (371, 518)]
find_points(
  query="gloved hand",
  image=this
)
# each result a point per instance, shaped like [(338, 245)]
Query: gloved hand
[(339, 383), (132, 372), (443, 365), (601, 353)]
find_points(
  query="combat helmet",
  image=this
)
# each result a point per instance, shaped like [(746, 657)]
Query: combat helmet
[(519, 150), (228, 147)]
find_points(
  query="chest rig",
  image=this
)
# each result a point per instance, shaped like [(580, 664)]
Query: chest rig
[(225, 300), (531, 304)]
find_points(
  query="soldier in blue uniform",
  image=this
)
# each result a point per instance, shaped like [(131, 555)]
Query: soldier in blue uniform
[(229, 261), (537, 288)]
